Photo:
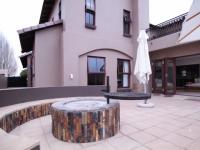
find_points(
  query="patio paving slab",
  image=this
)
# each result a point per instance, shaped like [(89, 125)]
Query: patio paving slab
[(158, 132), (178, 140), (143, 137), (192, 131), (162, 145), (165, 127)]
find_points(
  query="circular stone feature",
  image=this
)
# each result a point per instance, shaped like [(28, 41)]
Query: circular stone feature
[(85, 119), (80, 105)]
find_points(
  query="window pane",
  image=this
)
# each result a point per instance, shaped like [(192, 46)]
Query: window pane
[(96, 71), (120, 66), (92, 64), (126, 67), (91, 19), (96, 79), (126, 28), (100, 65), (125, 80), (87, 18), (88, 4), (123, 74), (126, 22), (96, 65), (158, 75), (92, 5), (119, 80)]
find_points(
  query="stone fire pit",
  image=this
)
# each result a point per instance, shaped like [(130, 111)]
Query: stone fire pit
[(86, 119)]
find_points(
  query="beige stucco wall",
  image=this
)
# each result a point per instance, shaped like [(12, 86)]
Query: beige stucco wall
[(164, 42), (111, 57), (78, 40), (47, 52), (29, 70), (178, 51), (189, 60)]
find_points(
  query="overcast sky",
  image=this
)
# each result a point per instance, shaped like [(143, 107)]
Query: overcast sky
[(18, 14)]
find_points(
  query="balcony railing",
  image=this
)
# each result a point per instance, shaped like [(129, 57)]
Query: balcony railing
[(165, 28)]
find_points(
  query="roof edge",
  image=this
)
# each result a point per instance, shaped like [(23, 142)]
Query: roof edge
[(40, 26)]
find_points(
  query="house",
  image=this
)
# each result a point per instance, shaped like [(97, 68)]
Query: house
[(175, 53), (79, 43)]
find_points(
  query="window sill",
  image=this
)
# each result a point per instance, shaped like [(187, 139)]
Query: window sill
[(89, 26), (127, 35)]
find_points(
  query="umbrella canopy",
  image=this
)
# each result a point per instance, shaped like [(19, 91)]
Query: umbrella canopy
[(142, 65)]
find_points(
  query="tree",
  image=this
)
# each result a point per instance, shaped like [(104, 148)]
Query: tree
[(7, 58), (23, 73)]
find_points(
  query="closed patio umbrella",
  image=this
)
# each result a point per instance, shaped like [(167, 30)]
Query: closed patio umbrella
[(142, 69)]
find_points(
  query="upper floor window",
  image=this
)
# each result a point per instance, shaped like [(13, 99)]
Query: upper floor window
[(90, 14), (126, 23), (96, 70)]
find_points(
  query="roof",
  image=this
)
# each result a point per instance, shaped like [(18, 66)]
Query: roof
[(167, 27), (23, 58), (46, 10), (27, 35)]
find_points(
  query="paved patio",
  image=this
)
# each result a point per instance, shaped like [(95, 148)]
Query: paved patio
[(174, 124)]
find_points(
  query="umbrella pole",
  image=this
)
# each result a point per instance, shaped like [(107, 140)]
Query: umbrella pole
[(145, 89)]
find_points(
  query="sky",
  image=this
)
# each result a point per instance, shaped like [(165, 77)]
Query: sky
[(15, 15), (18, 14)]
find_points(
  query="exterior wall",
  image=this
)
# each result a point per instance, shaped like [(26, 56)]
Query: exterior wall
[(111, 57), (47, 54), (141, 22), (3, 81), (78, 40), (29, 71), (189, 60), (164, 42), (22, 95), (3, 78), (178, 51)]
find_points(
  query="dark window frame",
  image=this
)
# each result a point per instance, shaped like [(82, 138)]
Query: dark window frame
[(91, 12), (126, 23), (96, 73), (124, 73)]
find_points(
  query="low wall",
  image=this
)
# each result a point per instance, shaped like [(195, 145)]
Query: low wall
[(12, 120), (15, 96), (17, 82), (3, 81)]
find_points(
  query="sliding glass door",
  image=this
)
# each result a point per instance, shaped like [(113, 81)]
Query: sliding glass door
[(164, 76), (158, 71), (170, 77)]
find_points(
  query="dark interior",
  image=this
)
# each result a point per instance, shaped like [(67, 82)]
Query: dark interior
[(187, 74)]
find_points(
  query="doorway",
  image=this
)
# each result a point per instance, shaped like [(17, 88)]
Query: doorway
[(188, 74), (164, 76)]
